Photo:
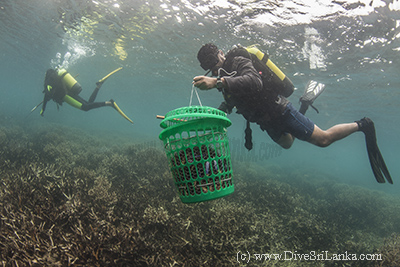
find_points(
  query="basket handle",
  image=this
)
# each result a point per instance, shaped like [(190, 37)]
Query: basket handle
[(191, 96)]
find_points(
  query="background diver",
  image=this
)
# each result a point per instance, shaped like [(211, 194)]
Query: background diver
[(254, 94), (60, 87)]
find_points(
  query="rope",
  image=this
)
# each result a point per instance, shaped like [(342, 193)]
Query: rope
[(230, 74), (191, 96)]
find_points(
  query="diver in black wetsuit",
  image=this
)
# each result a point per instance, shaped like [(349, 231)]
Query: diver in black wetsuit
[(60, 87), (243, 87)]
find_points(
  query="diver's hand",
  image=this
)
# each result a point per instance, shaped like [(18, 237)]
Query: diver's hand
[(204, 82)]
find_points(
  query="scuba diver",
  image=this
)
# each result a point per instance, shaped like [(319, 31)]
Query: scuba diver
[(253, 85), (60, 87)]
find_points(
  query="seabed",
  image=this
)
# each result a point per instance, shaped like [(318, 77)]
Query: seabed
[(71, 199)]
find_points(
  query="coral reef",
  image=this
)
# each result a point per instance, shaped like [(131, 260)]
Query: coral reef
[(69, 199), (390, 251)]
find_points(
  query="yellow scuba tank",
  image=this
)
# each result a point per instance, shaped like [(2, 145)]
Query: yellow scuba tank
[(282, 84), (71, 85)]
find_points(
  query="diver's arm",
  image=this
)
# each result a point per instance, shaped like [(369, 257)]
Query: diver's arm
[(45, 100), (207, 83)]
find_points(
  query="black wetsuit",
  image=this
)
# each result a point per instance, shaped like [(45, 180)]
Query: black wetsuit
[(246, 91), (257, 98)]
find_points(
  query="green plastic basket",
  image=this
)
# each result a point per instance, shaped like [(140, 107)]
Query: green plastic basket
[(197, 147)]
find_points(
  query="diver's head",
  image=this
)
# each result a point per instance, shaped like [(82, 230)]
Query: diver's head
[(50, 73), (211, 58)]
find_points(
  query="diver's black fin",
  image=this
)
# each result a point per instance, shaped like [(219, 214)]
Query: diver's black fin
[(376, 160), (383, 167), (374, 163)]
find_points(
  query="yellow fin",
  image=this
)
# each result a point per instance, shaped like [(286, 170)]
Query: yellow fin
[(115, 106), (108, 75)]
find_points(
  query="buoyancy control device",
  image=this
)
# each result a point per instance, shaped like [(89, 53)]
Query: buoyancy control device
[(271, 75)]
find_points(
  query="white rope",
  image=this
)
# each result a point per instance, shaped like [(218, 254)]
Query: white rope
[(191, 96), (230, 74)]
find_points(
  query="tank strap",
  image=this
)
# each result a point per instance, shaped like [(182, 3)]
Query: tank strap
[(265, 58), (63, 75)]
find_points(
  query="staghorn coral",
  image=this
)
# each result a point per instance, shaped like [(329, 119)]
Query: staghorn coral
[(390, 251), (101, 192), (110, 205), (156, 215)]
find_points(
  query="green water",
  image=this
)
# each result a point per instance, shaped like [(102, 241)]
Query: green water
[(317, 199)]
